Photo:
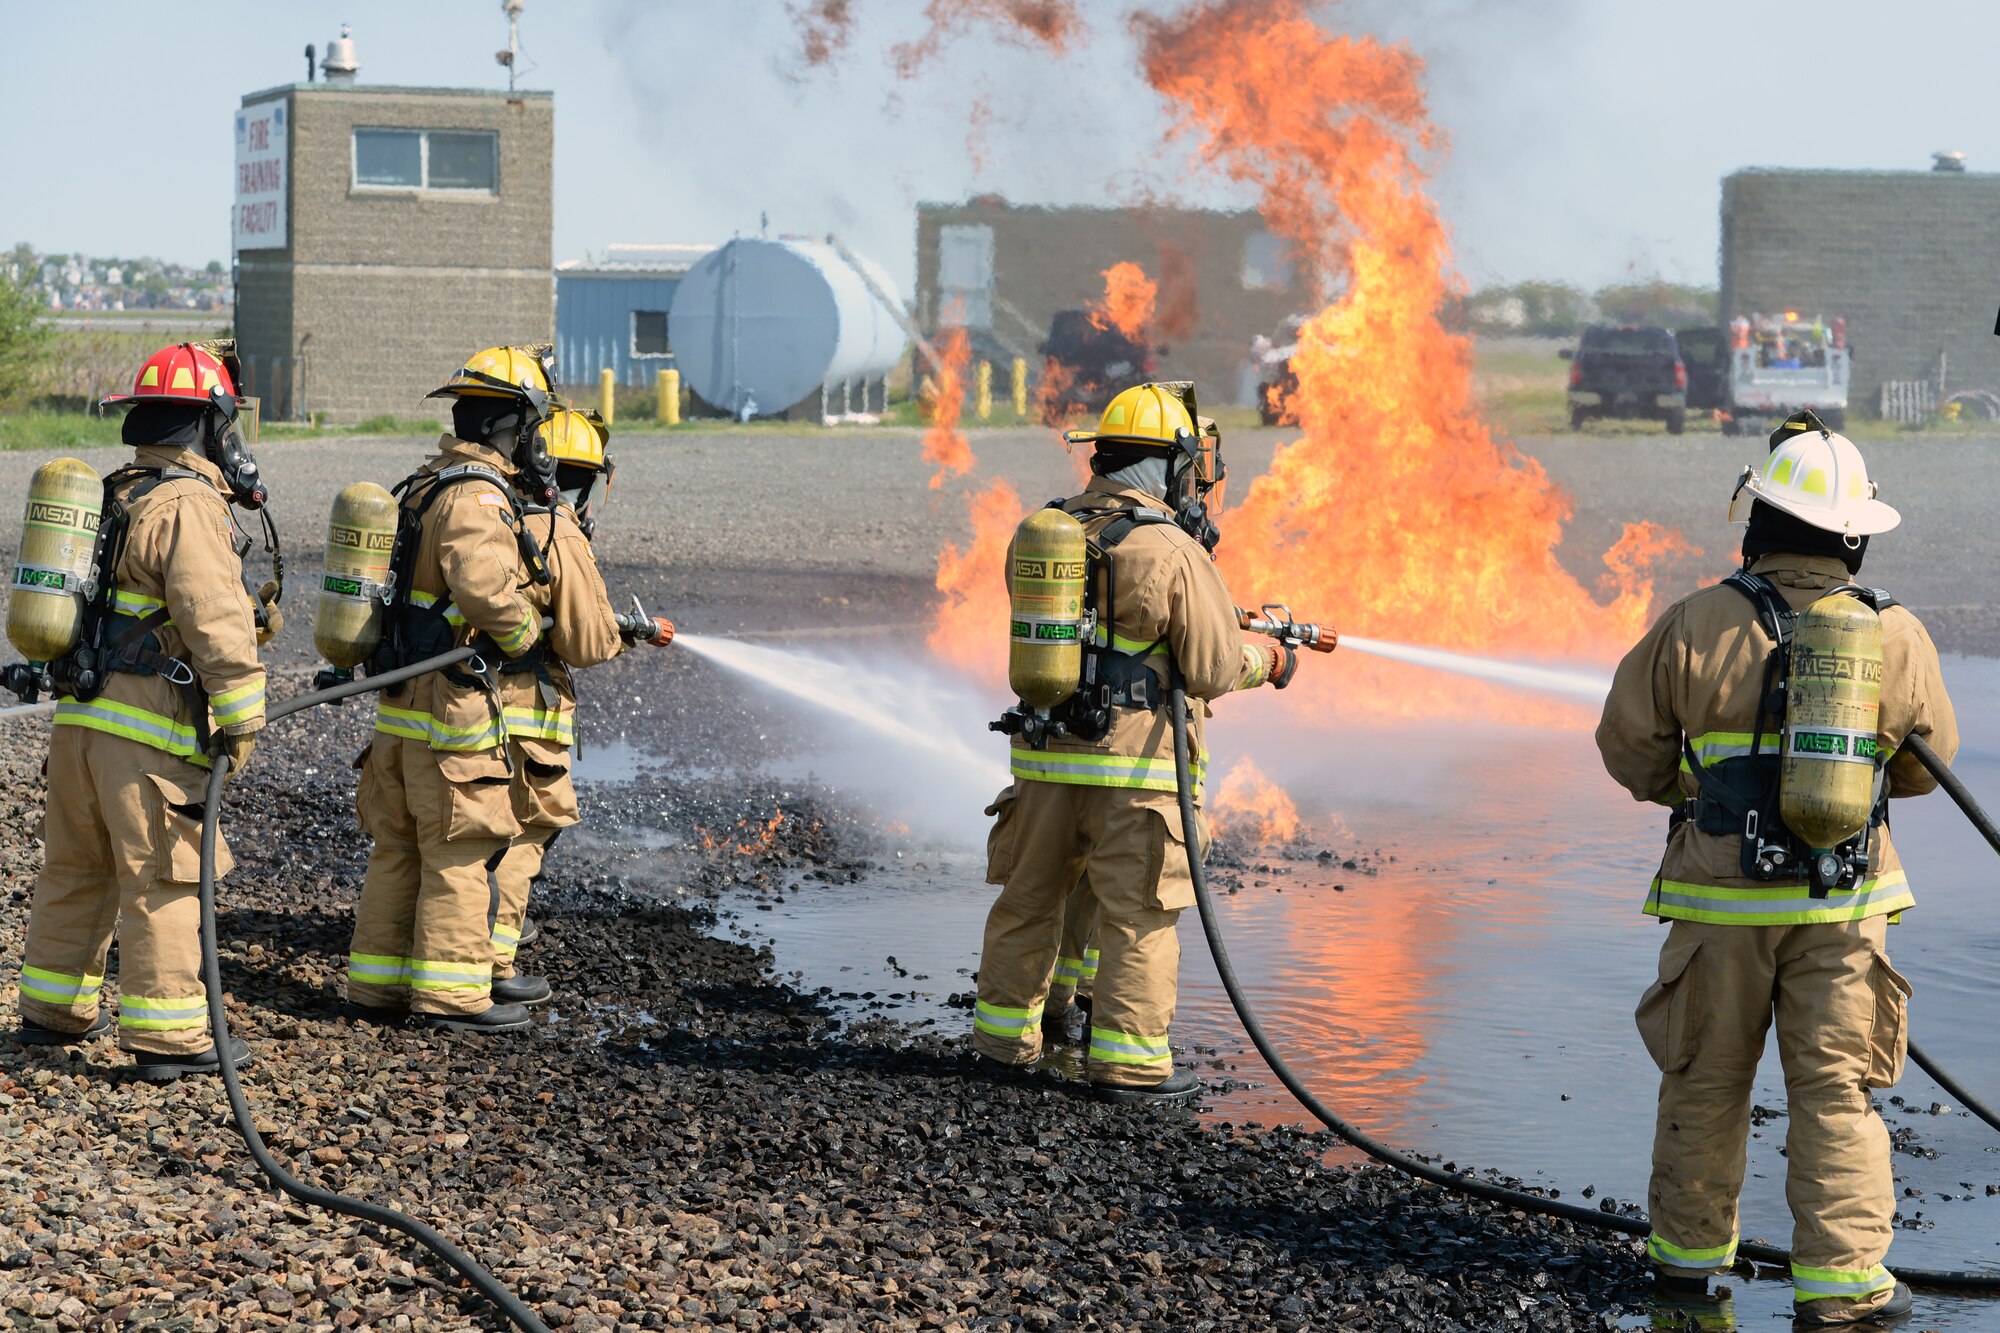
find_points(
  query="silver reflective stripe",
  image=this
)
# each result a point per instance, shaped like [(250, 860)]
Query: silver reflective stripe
[(1160, 1049), (1133, 770), (162, 1008), (1816, 1283), (1844, 903)]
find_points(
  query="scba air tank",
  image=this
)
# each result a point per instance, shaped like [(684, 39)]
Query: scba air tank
[(58, 547), (360, 541), (1045, 648), (1826, 792)]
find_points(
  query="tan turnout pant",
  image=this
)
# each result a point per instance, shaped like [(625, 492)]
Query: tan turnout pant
[(1077, 957), (519, 869), (122, 831), (423, 930), (1047, 836), (1841, 1014)]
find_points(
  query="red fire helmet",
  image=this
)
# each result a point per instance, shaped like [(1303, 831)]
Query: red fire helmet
[(183, 373)]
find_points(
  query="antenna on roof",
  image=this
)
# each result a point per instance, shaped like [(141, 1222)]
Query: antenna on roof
[(511, 57)]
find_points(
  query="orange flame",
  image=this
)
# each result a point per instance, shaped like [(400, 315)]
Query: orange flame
[(1398, 513), (1248, 806), (824, 28), (766, 835), (1128, 300), (944, 443), (972, 617), (1053, 25)]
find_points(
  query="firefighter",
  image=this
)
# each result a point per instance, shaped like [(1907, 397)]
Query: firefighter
[(538, 688), (1108, 807), (434, 790), (1688, 725), (1066, 1012), (128, 763)]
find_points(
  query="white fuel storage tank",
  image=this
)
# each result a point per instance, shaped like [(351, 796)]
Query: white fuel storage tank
[(761, 326)]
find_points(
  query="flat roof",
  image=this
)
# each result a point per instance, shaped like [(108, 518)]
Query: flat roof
[(494, 94), (1884, 173)]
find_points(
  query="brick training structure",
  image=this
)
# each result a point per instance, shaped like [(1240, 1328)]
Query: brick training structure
[(383, 291), (1906, 257), (1222, 279)]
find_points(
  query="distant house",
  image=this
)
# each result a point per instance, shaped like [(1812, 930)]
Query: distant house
[(612, 313)]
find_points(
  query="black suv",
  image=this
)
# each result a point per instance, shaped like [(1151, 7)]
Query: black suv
[(1627, 371)]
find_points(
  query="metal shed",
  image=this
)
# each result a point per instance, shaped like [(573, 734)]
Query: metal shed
[(612, 313)]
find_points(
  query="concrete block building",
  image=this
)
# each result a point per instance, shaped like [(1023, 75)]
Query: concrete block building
[(382, 235), (1004, 270), (1905, 257)]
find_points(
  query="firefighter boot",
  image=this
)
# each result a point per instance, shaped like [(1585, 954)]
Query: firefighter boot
[(1817, 1314), (1177, 1089), (519, 989), (34, 1034), (157, 1068), (493, 1018)]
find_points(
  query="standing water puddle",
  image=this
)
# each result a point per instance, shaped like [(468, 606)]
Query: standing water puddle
[(1472, 997)]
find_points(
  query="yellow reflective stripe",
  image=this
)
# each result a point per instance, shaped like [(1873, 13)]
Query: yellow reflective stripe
[(452, 615), (1108, 1046), (58, 987), (135, 603), (557, 726), (428, 975), (504, 933), (1778, 904), (1712, 747), (377, 969), (238, 705), (1069, 970), (997, 1020), (1099, 770), (1664, 1251), (149, 1014), (421, 726), (516, 639), (1818, 1284), (1136, 647), (134, 724)]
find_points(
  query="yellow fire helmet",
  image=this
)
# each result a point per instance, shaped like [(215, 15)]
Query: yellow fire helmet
[(1145, 414), (500, 372), (576, 438)]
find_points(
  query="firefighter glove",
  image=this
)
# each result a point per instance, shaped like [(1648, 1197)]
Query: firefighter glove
[(1280, 662), (238, 745), (271, 617)]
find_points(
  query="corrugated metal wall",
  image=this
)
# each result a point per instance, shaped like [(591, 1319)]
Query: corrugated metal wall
[(594, 325)]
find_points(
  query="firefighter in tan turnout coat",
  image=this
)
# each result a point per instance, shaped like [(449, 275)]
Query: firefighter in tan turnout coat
[(1688, 725), (1107, 807), (128, 763)]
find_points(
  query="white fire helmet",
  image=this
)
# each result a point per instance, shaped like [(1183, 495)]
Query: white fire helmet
[(1818, 477)]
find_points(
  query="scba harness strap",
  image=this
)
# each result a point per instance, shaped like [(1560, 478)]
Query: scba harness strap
[(1741, 794)]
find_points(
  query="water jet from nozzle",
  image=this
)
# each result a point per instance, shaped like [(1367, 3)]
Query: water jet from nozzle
[(1584, 685)]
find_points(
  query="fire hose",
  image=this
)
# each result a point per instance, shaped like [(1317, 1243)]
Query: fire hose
[(1419, 1169), (513, 1307)]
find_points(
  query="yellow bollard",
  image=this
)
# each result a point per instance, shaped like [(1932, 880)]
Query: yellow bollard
[(1020, 386), (668, 410), (607, 395), (983, 401)]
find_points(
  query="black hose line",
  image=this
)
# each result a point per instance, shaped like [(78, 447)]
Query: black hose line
[(1402, 1161), (513, 1307)]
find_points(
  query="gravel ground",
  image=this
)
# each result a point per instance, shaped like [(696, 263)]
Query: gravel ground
[(683, 1139)]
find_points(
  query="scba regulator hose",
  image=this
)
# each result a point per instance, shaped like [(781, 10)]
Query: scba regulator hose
[(510, 1305), (1422, 1170)]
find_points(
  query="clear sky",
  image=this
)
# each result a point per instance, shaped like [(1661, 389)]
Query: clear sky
[(1587, 137)]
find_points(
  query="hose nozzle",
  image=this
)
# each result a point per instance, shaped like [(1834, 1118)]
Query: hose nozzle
[(1275, 619)]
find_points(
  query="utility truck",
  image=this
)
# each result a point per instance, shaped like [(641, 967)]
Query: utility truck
[(1781, 363)]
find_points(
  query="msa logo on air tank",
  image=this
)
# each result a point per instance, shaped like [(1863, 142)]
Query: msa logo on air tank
[(1836, 666), (359, 540), (1048, 569), (60, 515), (1835, 745), (1044, 632)]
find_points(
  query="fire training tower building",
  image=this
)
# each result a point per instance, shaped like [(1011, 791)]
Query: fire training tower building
[(381, 235)]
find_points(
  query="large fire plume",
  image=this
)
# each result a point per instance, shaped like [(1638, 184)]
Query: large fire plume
[(1397, 513)]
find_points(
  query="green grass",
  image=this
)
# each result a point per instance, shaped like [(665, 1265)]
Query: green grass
[(54, 432)]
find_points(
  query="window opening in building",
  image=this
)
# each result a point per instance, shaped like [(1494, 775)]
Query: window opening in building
[(1267, 262), (427, 160), (965, 277), (649, 333)]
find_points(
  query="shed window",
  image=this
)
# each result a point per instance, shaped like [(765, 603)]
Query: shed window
[(427, 160), (649, 333)]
